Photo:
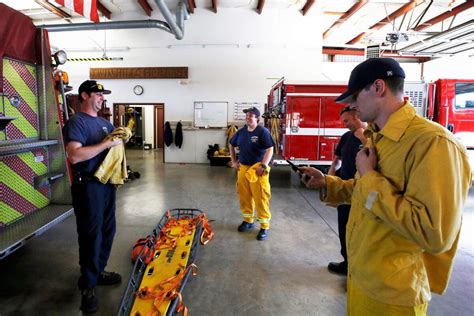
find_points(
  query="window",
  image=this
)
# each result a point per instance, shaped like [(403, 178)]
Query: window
[(464, 95)]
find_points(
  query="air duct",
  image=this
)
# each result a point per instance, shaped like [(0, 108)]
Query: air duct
[(114, 25), (173, 26), (177, 26)]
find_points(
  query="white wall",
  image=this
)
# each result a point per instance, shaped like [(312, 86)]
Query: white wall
[(460, 67), (233, 56), (239, 62)]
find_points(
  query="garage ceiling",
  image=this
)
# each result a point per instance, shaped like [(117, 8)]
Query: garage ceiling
[(408, 27)]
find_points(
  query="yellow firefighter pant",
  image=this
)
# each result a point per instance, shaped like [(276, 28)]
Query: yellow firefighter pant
[(254, 194), (359, 304)]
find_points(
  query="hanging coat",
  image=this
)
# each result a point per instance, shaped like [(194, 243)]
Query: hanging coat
[(168, 134), (178, 136)]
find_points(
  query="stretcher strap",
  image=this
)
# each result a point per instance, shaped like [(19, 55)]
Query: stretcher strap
[(167, 290), (207, 232)]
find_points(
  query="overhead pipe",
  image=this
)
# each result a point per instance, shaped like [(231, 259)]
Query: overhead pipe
[(114, 25), (177, 27), (173, 26)]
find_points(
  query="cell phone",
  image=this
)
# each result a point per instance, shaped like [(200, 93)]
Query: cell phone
[(293, 166)]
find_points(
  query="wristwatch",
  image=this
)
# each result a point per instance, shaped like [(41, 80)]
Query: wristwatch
[(264, 166)]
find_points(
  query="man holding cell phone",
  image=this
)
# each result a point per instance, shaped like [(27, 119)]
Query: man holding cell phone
[(407, 198)]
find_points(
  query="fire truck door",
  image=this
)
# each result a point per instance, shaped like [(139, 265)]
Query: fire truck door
[(303, 116), (332, 128)]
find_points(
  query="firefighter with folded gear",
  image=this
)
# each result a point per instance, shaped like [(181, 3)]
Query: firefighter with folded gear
[(406, 206), (255, 145), (87, 146)]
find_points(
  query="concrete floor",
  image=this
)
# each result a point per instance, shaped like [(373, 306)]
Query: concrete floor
[(238, 275)]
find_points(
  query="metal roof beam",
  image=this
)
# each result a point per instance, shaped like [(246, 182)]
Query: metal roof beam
[(191, 6), (145, 6), (105, 12), (460, 8), (214, 6), (345, 17), (260, 5), (307, 6), (53, 9)]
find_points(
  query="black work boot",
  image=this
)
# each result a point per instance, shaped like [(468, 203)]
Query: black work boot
[(109, 278), (338, 267), (89, 302), (262, 234), (245, 226)]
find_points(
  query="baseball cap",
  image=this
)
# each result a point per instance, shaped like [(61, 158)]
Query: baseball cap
[(369, 71), (253, 110), (89, 86)]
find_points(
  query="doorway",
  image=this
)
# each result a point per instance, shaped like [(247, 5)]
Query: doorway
[(146, 121), (159, 127)]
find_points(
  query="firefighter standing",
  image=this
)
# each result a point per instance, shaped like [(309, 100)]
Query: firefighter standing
[(407, 200), (94, 202), (253, 186), (344, 155)]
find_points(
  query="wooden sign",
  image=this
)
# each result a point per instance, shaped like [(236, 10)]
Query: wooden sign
[(139, 73)]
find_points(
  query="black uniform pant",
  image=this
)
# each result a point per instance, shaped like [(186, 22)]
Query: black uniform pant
[(342, 218), (94, 206)]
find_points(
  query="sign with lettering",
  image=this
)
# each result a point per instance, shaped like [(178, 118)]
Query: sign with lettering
[(139, 73)]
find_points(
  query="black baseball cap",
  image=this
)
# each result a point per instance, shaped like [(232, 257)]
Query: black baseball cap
[(369, 71), (89, 86), (253, 110)]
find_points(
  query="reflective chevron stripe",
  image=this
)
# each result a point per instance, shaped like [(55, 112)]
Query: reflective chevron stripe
[(22, 187), (8, 214), (20, 81)]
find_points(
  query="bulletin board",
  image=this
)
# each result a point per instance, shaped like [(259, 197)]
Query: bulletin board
[(239, 108), (210, 114)]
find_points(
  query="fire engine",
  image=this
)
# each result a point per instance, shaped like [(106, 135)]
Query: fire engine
[(304, 118), (34, 174)]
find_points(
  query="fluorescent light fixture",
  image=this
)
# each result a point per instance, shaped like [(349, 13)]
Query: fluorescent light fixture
[(174, 46), (97, 49), (444, 41), (220, 46)]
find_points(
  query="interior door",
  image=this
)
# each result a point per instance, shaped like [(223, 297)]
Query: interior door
[(159, 125)]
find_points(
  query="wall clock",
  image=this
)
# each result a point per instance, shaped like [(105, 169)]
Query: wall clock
[(138, 89)]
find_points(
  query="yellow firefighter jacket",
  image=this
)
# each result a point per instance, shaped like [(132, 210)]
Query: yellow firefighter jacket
[(114, 167), (406, 215)]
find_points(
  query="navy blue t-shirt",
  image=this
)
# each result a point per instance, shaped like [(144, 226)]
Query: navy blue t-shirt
[(87, 130), (252, 145), (347, 149)]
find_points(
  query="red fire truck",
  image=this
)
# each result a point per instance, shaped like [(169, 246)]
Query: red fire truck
[(34, 181), (304, 118)]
